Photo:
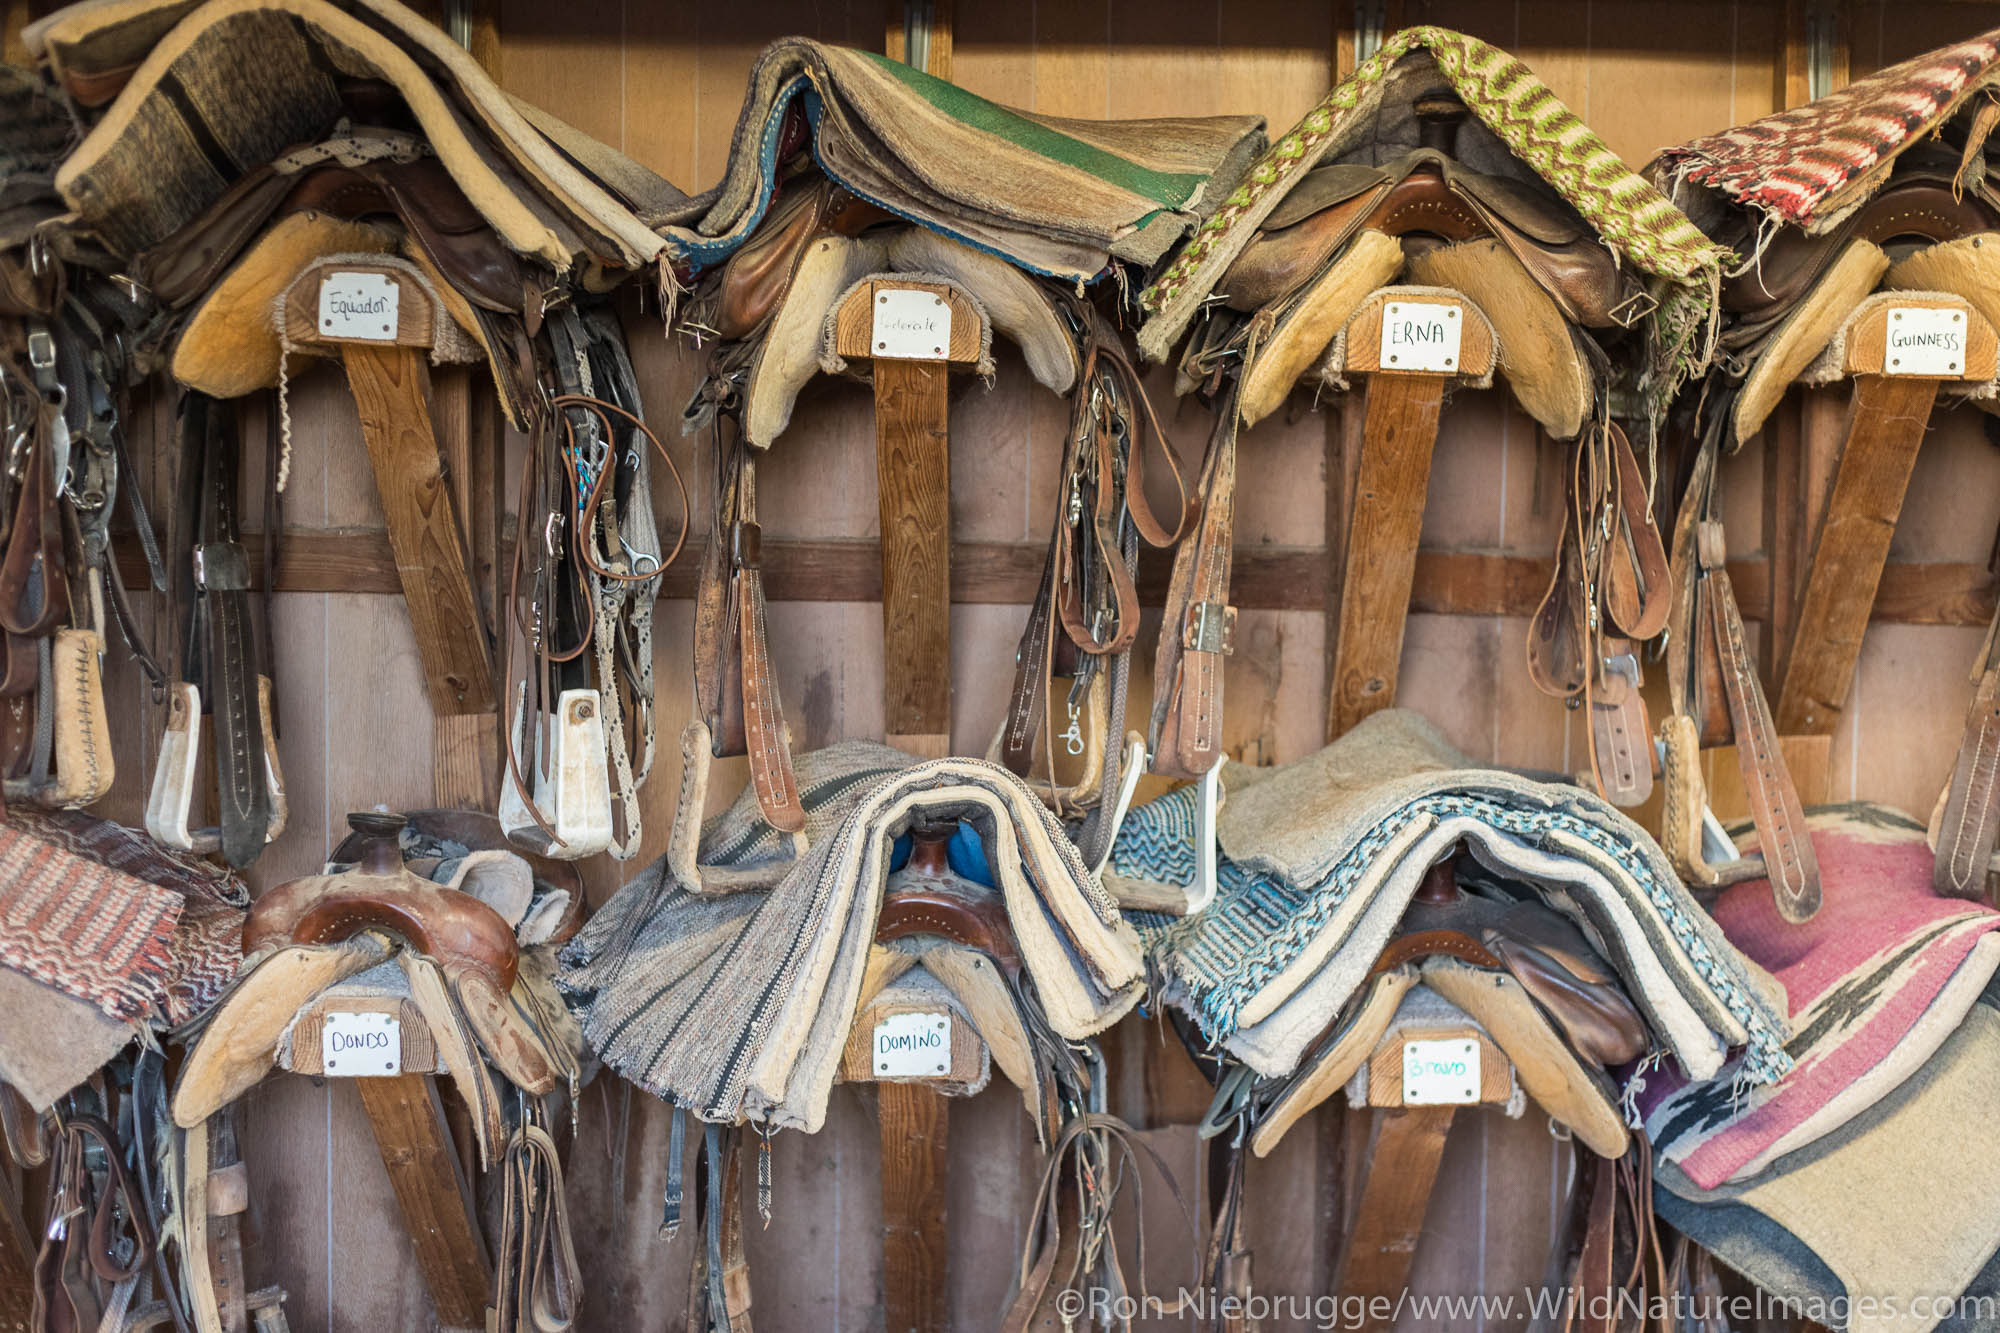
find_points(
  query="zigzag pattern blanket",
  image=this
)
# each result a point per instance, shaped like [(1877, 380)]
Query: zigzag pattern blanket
[(1634, 218)]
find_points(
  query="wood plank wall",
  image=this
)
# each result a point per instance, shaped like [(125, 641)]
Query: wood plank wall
[(664, 82)]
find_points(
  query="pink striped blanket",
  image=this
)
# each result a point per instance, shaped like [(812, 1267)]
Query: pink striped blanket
[(1876, 982)]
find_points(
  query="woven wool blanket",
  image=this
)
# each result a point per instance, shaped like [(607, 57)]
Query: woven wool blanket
[(1876, 982), (1877, 1226), (1058, 196), (1319, 860), (738, 1005), (104, 914), (1812, 165), (1632, 217)]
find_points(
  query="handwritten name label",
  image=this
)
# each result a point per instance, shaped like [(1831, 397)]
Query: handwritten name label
[(358, 305), (913, 1046), (911, 325), (1420, 335), (1440, 1073), (1923, 341), (366, 1045)]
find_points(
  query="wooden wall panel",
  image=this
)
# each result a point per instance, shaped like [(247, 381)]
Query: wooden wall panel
[(664, 83)]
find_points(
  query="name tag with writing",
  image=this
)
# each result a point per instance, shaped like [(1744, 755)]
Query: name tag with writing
[(913, 1046), (366, 1045), (358, 305), (1923, 341), (911, 325), (1420, 335), (1440, 1073)]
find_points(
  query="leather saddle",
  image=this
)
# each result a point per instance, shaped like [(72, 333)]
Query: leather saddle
[(1520, 970), (1532, 983), (1920, 206), (1428, 199), (367, 175), (460, 960)]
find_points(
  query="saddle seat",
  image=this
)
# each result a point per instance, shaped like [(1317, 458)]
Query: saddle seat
[(1518, 971)]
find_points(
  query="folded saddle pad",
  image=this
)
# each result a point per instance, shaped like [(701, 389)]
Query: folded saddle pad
[(200, 94), (1319, 860), (737, 1005), (1060, 197), (1876, 982), (1886, 1224)]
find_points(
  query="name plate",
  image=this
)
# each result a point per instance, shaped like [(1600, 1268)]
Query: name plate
[(913, 1046), (1420, 335), (365, 1045), (359, 305), (1440, 1073), (911, 325), (1924, 341)]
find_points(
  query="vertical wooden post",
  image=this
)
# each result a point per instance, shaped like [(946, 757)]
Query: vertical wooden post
[(913, 480), (17, 1260), (1383, 505), (1405, 1148), (408, 1121), (912, 459)]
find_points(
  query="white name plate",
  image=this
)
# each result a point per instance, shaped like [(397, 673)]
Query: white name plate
[(1420, 335), (913, 1046), (365, 1045), (1924, 341), (359, 305), (911, 325), (1440, 1073)]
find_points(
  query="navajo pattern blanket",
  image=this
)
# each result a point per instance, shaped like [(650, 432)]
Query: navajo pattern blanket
[(1634, 218), (1877, 981), (102, 913), (1813, 164), (88, 930)]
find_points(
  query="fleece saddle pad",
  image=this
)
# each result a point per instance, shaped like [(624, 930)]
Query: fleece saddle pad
[(1319, 861), (1878, 1226), (663, 972), (1059, 197), (1876, 982)]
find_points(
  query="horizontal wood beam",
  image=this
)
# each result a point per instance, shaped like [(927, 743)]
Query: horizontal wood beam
[(1267, 578)]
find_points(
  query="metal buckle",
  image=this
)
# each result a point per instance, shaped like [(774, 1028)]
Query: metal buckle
[(42, 357), (1210, 628)]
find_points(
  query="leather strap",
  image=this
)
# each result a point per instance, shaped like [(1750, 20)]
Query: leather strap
[(1712, 682), (1970, 827), (1198, 629), (1789, 859), (538, 1281), (735, 684), (219, 646), (1611, 586), (228, 1193)]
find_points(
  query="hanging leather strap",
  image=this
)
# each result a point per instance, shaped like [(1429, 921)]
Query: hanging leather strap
[(1970, 826), (538, 1281), (1713, 683), (1198, 629), (219, 646), (735, 686), (1789, 860)]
